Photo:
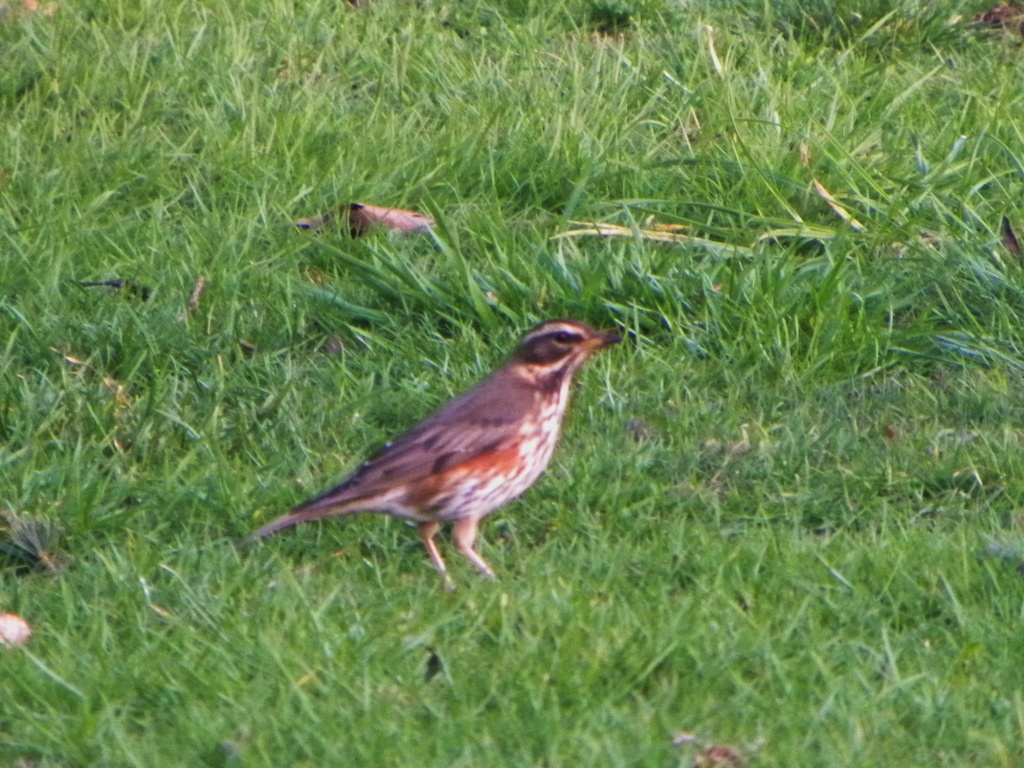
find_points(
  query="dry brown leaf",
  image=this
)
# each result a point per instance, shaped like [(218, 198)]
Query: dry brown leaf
[(1003, 16), (361, 218), (717, 756), (1010, 237), (197, 294)]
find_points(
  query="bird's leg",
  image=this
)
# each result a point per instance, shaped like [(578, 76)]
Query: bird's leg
[(427, 531), (465, 536)]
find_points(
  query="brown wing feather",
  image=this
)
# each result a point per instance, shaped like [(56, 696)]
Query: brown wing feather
[(481, 421)]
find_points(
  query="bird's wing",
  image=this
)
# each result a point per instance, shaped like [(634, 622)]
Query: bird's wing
[(482, 421)]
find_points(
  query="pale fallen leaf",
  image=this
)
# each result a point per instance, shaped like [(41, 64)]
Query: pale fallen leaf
[(362, 217), (197, 293), (14, 630), (719, 69), (69, 358)]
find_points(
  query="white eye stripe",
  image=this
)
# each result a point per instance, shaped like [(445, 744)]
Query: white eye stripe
[(554, 329), (557, 336)]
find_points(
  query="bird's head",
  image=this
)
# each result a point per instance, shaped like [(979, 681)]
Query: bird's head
[(558, 348)]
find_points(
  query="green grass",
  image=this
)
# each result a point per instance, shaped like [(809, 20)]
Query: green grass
[(811, 552)]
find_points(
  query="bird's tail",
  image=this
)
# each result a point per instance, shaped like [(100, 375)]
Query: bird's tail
[(295, 517)]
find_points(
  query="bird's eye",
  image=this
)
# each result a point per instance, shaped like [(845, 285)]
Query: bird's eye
[(565, 337)]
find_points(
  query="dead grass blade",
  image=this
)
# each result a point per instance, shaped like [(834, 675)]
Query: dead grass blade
[(841, 212), (657, 233)]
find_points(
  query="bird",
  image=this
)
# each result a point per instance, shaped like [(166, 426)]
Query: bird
[(475, 454)]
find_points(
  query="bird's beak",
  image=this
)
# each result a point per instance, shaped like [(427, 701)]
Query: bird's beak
[(602, 340)]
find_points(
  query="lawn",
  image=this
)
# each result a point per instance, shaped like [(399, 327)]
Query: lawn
[(786, 518)]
